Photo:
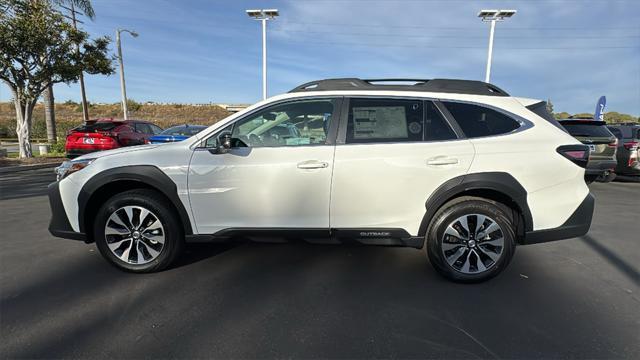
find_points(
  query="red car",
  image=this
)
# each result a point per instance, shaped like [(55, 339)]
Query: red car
[(106, 134)]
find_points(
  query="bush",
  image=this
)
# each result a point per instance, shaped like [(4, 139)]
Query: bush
[(133, 105), (58, 148)]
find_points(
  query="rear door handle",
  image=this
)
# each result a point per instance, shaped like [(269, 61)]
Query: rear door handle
[(313, 164), (442, 160)]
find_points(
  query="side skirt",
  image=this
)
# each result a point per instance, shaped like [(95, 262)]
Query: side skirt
[(371, 236)]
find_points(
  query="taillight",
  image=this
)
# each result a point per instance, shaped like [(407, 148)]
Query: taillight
[(578, 154), (614, 143), (631, 145)]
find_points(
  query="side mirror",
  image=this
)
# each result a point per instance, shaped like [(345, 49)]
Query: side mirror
[(224, 143)]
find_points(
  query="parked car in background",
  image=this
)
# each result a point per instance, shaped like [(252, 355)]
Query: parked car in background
[(628, 148), (107, 134), (602, 143), (176, 133)]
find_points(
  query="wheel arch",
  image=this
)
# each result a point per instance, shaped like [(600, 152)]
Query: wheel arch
[(497, 186), (105, 184)]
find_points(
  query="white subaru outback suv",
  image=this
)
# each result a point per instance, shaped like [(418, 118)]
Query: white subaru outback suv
[(457, 168)]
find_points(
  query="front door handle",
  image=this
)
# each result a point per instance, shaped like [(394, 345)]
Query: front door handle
[(442, 160), (313, 164)]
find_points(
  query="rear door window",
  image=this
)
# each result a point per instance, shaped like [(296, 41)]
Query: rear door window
[(385, 120), (144, 128), (478, 121)]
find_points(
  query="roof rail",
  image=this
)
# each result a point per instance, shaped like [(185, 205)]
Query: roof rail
[(471, 87)]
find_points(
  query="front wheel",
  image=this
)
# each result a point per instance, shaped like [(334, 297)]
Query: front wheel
[(137, 231), (471, 239)]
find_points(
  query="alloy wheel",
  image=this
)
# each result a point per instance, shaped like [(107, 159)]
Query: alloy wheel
[(134, 234), (473, 243)]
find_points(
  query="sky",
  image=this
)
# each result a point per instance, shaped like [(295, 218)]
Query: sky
[(209, 51)]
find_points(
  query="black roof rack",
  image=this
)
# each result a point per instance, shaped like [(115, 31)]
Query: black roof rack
[(471, 87)]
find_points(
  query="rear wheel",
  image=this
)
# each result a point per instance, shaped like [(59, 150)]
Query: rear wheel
[(471, 239), (137, 231)]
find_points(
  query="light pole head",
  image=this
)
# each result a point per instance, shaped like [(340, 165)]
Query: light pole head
[(496, 15), (133, 33), (262, 14)]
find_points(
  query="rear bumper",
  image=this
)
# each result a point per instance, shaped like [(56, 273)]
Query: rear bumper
[(59, 225), (598, 167), (578, 224), (73, 153), (79, 151)]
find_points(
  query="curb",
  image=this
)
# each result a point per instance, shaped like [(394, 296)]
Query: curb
[(18, 168)]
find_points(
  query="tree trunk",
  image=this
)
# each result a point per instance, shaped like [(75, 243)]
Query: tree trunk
[(24, 112), (50, 114)]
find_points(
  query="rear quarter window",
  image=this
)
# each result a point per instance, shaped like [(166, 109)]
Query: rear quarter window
[(479, 121), (540, 109)]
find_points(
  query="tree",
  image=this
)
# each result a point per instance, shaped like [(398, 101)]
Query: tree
[(37, 49), (549, 106), (47, 95)]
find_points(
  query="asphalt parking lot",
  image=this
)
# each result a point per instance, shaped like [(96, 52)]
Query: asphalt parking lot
[(577, 298)]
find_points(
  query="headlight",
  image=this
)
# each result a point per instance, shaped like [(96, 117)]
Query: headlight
[(69, 167)]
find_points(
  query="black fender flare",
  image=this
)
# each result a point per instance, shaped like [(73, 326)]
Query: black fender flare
[(148, 175), (499, 182)]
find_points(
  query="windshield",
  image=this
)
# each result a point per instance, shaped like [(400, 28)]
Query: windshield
[(183, 130)]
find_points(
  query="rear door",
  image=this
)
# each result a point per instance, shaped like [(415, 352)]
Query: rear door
[(391, 156)]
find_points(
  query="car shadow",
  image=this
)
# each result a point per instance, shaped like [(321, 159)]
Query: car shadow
[(624, 267)]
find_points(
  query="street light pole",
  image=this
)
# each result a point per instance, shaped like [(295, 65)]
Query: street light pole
[(123, 87), (264, 58), (264, 15), (493, 16), (491, 32)]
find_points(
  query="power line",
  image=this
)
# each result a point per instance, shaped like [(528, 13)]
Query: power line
[(461, 27), (383, 45), (282, 30)]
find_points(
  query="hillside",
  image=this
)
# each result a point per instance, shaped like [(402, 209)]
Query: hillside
[(69, 115)]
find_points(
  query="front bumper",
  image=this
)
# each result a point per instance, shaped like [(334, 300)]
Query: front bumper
[(59, 225), (578, 224)]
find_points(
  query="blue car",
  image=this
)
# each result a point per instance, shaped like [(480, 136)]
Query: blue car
[(176, 133)]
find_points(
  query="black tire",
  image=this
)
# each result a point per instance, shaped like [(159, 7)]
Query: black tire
[(160, 208), (468, 206), (606, 178)]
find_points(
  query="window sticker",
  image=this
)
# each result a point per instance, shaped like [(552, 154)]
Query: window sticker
[(379, 122)]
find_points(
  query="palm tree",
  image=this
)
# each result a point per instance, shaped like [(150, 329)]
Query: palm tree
[(47, 95)]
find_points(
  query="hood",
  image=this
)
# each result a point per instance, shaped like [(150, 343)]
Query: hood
[(122, 150)]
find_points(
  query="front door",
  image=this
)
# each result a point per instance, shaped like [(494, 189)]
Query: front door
[(279, 177)]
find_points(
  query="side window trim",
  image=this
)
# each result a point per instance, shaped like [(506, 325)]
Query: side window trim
[(331, 136), (449, 119), (524, 123), (344, 118)]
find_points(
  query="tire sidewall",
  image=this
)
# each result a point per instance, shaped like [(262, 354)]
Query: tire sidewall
[(449, 213), (173, 233)]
